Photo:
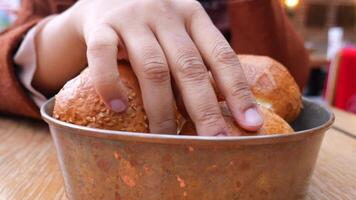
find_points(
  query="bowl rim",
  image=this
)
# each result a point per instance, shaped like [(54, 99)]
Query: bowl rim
[(183, 139)]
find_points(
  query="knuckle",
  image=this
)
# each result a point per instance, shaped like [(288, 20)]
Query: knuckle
[(100, 46), (241, 90), (156, 71), (96, 45), (163, 124), (209, 115), (155, 68), (191, 67), (224, 54)]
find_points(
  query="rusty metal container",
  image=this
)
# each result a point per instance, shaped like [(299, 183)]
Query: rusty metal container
[(102, 164)]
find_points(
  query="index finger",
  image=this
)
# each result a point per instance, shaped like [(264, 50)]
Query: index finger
[(102, 47)]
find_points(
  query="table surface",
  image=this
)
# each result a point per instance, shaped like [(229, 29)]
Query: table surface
[(29, 169)]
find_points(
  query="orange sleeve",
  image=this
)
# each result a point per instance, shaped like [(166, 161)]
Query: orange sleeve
[(13, 98)]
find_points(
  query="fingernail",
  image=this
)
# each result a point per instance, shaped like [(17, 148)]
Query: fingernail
[(253, 117), (117, 105)]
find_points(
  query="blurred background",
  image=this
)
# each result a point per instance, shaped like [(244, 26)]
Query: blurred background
[(8, 9), (329, 31)]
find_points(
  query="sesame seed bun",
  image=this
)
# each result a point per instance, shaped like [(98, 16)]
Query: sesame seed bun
[(272, 85), (78, 103)]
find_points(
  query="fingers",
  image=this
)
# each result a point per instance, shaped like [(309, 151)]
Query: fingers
[(151, 68), (179, 34), (225, 68), (192, 78), (102, 47)]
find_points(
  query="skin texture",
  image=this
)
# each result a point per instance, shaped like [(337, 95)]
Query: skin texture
[(273, 124), (166, 41)]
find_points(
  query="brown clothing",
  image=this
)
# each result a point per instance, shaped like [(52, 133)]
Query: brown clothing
[(256, 26)]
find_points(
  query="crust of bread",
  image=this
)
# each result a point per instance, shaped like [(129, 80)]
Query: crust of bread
[(274, 88), (272, 85), (78, 103)]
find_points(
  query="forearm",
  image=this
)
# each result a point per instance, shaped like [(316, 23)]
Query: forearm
[(60, 53)]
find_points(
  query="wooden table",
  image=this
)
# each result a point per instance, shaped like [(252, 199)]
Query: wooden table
[(29, 169)]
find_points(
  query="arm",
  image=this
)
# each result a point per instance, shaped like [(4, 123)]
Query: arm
[(163, 41)]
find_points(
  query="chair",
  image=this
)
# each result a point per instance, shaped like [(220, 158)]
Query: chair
[(341, 84)]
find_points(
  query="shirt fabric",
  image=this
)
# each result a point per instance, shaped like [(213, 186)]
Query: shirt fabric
[(26, 59)]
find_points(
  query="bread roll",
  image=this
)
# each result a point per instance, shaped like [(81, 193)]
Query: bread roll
[(78, 102), (273, 124), (272, 85)]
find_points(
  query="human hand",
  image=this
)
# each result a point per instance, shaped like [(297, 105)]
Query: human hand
[(165, 40)]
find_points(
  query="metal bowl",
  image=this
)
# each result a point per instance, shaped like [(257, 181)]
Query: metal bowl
[(103, 164)]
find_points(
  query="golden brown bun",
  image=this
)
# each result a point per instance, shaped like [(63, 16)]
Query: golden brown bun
[(272, 86), (78, 103), (273, 124)]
